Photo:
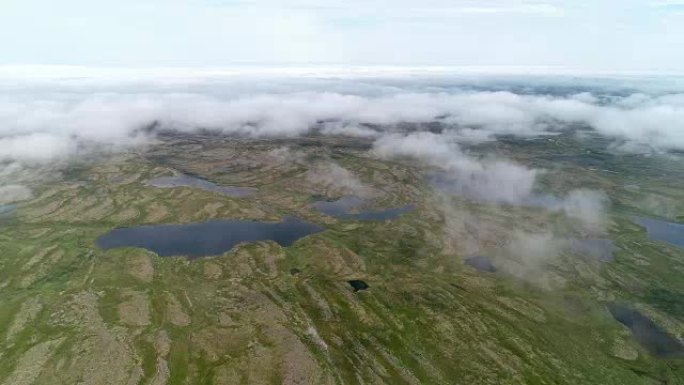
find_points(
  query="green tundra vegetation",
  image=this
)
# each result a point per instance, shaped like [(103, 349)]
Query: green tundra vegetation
[(73, 313)]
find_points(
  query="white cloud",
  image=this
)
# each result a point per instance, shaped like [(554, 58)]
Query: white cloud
[(41, 120), (533, 249), (587, 206), (36, 147), (338, 180), (491, 180), (495, 180), (14, 193)]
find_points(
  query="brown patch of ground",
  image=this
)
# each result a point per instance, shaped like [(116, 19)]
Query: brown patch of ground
[(212, 270), (135, 310), (31, 363), (175, 312), (27, 313), (141, 267)]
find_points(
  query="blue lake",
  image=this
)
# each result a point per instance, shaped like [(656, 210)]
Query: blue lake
[(649, 335), (349, 208), (206, 238), (190, 181), (659, 230)]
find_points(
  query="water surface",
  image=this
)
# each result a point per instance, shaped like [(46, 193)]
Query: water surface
[(190, 181), (481, 263), (348, 208), (654, 339), (358, 285), (206, 238), (658, 230), (7, 210)]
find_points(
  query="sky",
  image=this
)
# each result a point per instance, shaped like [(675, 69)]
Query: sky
[(600, 35)]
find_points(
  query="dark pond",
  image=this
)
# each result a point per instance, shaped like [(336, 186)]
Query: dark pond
[(348, 208), (481, 263), (654, 339), (190, 181), (358, 285), (7, 210), (600, 249), (206, 238), (658, 230)]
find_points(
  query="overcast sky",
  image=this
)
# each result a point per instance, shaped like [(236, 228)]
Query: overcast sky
[(606, 35)]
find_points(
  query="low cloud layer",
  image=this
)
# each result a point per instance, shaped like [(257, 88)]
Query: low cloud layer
[(522, 250), (337, 179), (587, 206), (37, 147), (498, 181), (47, 120), (493, 180), (14, 193)]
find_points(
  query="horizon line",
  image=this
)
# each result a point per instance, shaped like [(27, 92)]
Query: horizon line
[(47, 71)]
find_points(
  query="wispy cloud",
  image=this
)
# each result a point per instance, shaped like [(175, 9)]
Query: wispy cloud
[(45, 119)]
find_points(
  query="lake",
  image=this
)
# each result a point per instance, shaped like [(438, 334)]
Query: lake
[(206, 238), (658, 230), (190, 181), (654, 339), (348, 208)]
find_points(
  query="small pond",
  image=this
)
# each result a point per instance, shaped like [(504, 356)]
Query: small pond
[(659, 230), (190, 181), (7, 211), (206, 238), (358, 285), (654, 339), (481, 263), (348, 208)]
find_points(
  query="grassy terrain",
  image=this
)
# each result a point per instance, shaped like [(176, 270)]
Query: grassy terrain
[(75, 314)]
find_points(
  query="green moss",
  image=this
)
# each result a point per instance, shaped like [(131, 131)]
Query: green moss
[(424, 317)]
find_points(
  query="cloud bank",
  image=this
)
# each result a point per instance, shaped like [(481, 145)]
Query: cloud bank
[(54, 119), (491, 180), (14, 193), (337, 179)]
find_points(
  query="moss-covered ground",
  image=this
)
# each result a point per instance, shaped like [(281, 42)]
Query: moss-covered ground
[(75, 314)]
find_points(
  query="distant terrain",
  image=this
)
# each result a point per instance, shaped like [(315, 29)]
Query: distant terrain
[(404, 273)]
